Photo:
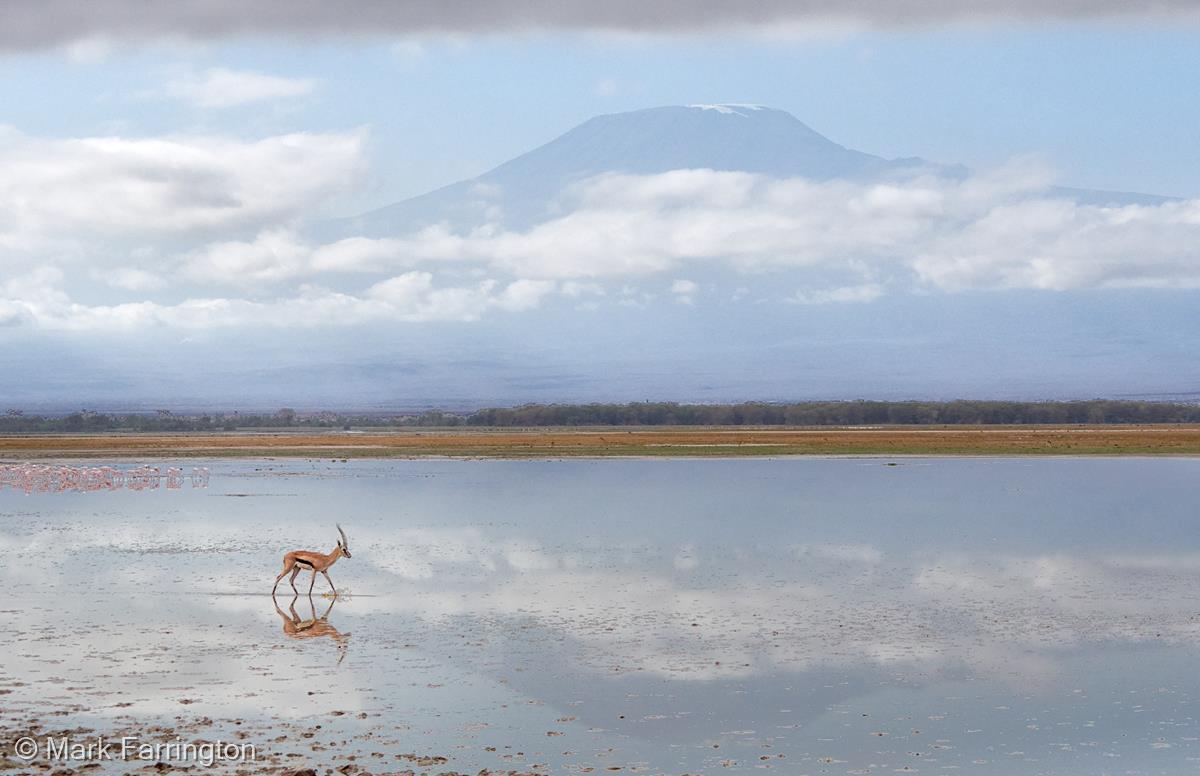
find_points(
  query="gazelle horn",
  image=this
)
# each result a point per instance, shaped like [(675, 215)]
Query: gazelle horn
[(345, 543)]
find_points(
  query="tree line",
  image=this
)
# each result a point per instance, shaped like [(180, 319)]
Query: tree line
[(90, 422), (829, 413), (838, 413)]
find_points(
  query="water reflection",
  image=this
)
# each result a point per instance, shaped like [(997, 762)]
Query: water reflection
[(837, 615), (314, 627)]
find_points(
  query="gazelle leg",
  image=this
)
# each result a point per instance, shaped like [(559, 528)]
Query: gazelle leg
[(314, 581), (330, 581), (292, 581), (282, 574)]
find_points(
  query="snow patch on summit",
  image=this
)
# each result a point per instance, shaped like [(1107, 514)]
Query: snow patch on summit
[(732, 108)]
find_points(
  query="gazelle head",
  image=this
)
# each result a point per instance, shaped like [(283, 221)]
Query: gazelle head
[(343, 543)]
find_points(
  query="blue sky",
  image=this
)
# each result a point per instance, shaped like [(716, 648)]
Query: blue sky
[(1109, 105), (300, 127)]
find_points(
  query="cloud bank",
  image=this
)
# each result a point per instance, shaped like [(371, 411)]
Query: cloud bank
[(201, 232), (995, 231), (116, 186), (34, 24), (37, 300)]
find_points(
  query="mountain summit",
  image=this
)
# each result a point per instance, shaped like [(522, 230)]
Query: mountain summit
[(749, 138)]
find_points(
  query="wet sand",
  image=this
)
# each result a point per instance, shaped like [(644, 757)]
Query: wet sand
[(1108, 440)]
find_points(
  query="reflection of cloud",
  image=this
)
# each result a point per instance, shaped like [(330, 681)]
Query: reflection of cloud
[(1186, 563), (685, 559), (131, 649), (1059, 600), (528, 556), (966, 611), (817, 605), (857, 553), (419, 553)]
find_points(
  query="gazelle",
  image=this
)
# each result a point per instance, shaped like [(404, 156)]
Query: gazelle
[(304, 560), (297, 628)]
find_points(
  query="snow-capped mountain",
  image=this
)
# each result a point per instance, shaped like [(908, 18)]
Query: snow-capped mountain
[(749, 138)]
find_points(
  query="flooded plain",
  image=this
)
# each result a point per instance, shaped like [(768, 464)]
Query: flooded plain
[(806, 615)]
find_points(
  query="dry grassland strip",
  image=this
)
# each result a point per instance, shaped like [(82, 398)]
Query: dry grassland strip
[(626, 441)]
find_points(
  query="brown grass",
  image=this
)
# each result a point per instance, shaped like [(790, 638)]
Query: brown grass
[(543, 443)]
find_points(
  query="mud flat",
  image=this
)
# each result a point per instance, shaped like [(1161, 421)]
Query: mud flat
[(658, 442)]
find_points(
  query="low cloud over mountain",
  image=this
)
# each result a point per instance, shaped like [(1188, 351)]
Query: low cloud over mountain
[(736, 201)]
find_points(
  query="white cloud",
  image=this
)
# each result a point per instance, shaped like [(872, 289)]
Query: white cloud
[(37, 299), (684, 290), (279, 254), (684, 287), (986, 232), (867, 292), (575, 288), (90, 50), (71, 204), (132, 279), (1055, 244), (275, 254), (414, 297), (524, 294), (221, 88), (118, 187), (628, 226)]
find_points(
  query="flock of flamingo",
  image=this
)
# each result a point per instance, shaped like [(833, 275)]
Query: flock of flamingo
[(44, 478)]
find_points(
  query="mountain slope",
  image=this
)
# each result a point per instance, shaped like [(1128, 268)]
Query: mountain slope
[(748, 138)]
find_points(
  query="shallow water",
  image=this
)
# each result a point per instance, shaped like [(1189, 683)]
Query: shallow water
[(661, 616)]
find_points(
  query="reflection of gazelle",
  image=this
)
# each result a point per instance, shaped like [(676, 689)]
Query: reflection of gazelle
[(303, 560), (316, 627)]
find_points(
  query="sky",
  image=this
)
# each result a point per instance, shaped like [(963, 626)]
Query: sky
[(167, 173)]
